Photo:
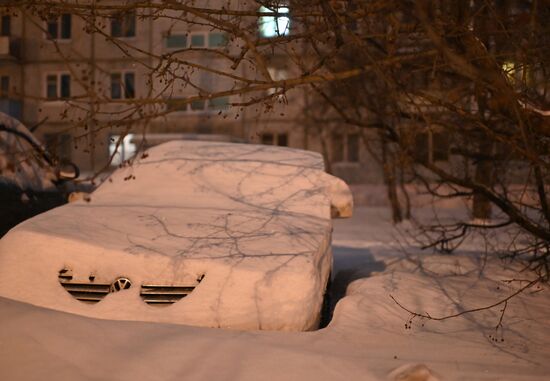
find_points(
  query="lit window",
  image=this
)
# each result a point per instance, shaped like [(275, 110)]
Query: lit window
[(124, 25), (216, 40), (509, 69), (58, 86), (125, 149), (59, 27), (273, 26), (123, 85), (176, 41)]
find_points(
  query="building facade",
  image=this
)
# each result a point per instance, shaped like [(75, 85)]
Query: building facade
[(63, 77)]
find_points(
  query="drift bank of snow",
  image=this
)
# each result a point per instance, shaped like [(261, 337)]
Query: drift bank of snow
[(241, 231)]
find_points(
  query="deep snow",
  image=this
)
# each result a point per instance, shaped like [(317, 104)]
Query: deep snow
[(366, 340)]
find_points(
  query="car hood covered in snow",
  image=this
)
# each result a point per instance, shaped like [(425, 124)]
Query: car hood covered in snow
[(254, 222)]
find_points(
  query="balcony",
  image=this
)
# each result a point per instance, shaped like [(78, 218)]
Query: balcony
[(11, 107), (9, 48)]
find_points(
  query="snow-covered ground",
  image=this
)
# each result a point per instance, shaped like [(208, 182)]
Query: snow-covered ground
[(367, 338)]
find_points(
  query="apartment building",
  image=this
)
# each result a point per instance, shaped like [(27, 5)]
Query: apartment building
[(63, 78)]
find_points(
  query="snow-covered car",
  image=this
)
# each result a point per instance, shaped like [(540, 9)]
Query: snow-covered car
[(200, 233), (31, 180)]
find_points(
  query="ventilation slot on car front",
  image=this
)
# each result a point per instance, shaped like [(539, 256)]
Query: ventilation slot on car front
[(156, 294), (86, 292), (89, 292)]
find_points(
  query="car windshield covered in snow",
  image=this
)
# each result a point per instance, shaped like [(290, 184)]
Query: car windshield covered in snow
[(200, 233)]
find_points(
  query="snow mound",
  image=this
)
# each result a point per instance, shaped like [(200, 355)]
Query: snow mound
[(367, 339), (255, 221)]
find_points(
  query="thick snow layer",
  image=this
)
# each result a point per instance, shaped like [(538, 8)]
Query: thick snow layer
[(366, 340), (254, 220)]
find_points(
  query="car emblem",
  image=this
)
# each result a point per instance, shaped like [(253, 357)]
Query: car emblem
[(120, 284)]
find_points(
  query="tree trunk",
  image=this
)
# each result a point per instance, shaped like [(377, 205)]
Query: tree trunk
[(388, 169), (484, 174)]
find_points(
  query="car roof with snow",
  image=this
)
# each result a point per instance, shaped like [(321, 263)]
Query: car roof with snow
[(251, 214), (20, 161)]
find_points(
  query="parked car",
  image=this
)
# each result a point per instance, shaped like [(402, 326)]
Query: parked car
[(31, 180), (210, 234)]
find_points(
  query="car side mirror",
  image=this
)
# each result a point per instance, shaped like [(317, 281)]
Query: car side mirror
[(67, 170)]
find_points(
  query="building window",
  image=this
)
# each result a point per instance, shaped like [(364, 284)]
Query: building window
[(345, 148), (124, 25), (58, 86), (198, 105), (177, 104), (276, 25), (176, 41), (6, 26), (217, 40), (197, 40), (121, 148), (59, 145), (422, 147), (353, 148), (440, 146), (267, 139), (431, 146), (220, 103), (123, 85), (4, 86), (282, 140), (275, 139), (337, 148), (59, 28)]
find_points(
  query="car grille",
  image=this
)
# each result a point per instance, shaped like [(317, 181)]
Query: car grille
[(156, 294), (162, 295), (86, 292)]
